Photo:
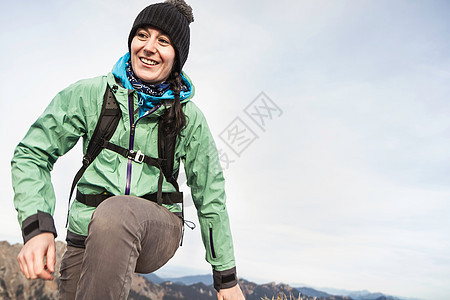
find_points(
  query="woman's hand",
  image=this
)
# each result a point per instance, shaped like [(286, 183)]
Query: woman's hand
[(31, 257), (233, 293)]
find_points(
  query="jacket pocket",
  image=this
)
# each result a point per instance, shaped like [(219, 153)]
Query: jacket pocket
[(211, 241)]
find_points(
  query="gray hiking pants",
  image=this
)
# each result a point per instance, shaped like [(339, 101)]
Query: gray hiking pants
[(126, 234)]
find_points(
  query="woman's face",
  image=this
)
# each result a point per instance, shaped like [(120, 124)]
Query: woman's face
[(152, 55)]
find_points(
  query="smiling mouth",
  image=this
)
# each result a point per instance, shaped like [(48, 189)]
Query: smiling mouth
[(148, 61)]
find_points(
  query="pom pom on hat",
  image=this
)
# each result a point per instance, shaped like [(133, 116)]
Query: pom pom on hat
[(183, 8)]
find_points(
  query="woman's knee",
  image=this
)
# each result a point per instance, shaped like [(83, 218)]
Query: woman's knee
[(113, 215)]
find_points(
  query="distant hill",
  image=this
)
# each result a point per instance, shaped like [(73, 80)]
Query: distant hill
[(154, 278), (185, 280), (362, 295), (313, 293)]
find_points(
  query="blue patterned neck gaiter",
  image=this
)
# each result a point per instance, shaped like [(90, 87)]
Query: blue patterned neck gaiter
[(156, 90)]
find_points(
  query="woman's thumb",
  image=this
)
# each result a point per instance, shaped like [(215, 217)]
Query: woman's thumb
[(51, 257)]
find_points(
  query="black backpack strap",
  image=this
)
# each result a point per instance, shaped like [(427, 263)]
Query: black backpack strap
[(95, 200), (166, 150), (106, 126)]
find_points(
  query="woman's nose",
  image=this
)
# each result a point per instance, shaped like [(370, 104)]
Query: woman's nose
[(150, 46)]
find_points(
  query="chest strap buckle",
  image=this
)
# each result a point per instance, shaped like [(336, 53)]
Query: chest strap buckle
[(136, 156)]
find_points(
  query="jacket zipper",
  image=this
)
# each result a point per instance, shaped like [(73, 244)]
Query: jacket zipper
[(131, 142), (130, 162), (213, 252)]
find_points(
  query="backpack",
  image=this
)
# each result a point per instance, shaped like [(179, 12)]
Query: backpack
[(106, 125)]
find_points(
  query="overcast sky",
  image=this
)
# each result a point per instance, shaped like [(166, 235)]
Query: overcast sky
[(345, 184)]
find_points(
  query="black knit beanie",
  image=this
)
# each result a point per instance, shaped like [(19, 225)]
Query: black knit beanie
[(173, 18)]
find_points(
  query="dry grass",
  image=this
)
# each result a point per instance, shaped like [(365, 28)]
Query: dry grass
[(283, 296)]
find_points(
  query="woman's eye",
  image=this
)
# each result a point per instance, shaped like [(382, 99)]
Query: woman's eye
[(142, 35), (164, 41)]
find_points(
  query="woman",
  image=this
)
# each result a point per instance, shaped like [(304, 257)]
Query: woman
[(124, 232)]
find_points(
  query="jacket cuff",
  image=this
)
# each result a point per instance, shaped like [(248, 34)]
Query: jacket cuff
[(37, 224), (224, 279)]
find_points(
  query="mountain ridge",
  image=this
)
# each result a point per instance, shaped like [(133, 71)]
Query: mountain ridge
[(13, 285)]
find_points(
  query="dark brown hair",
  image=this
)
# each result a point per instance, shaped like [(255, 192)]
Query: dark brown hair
[(173, 118)]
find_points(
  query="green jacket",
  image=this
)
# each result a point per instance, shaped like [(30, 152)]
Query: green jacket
[(72, 114)]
